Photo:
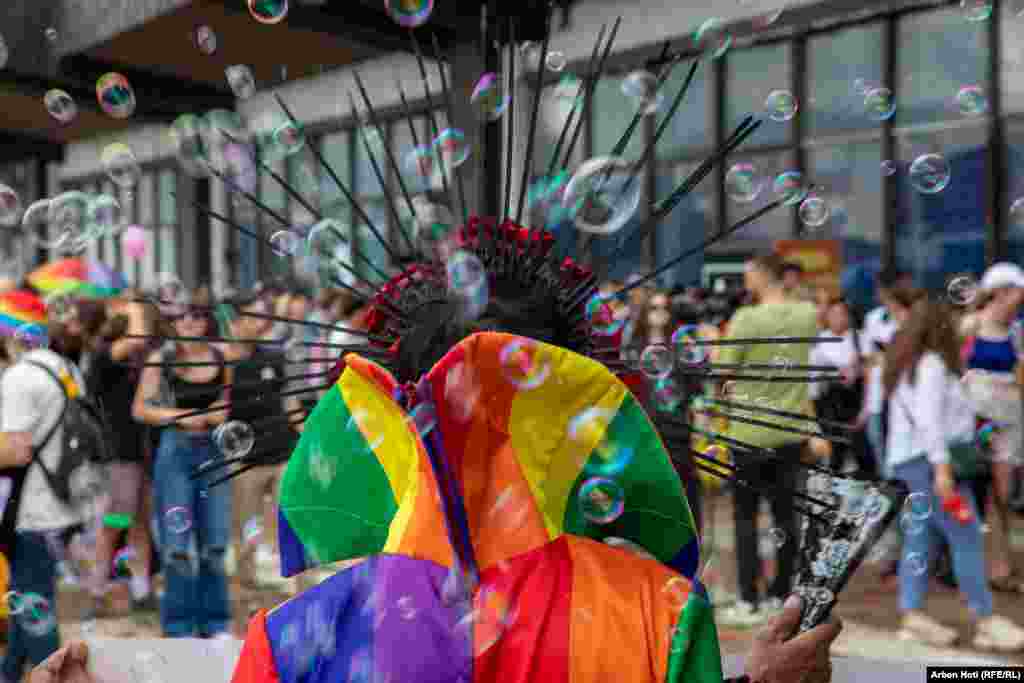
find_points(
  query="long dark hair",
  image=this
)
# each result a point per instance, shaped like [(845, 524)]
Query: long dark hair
[(930, 328)]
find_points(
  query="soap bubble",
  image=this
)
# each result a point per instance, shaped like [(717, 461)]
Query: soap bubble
[(962, 290), (685, 342), (777, 537), (51, 35), (929, 174), (642, 87), (268, 11), (790, 187), (10, 206), (285, 243), (781, 105), (589, 426), (241, 81), (668, 396), (467, 278), (327, 239), (287, 139), (122, 561), (36, 615), (556, 61), (104, 216), (252, 531), (601, 500), (5, 53), (452, 147), (234, 439), (601, 316), (603, 195), (918, 505), (915, 563), (172, 294), (525, 363), (986, 434), (120, 164), (743, 183), (888, 167), (60, 105), (178, 520), (971, 100), (409, 13), (657, 361), (419, 161), (489, 98), (68, 214), (711, 38), (205, 39), (879, 104), (462, 391), (1017, 212), (814, 211), (976, 10), (824, 596), (115, 95)]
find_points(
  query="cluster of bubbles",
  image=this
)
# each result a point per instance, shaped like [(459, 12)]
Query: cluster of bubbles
[(70, 221)]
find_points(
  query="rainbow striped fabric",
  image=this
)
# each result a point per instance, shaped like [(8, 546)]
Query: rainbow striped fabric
[(482, 477), (21, 310)]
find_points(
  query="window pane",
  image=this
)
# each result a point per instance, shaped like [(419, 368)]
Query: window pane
[(690, 223), (752, 75), (167, 202), (335, 151), (169, 249), (369, 245), (611, 113), (556, 103), (366, 179), (303, 177), (851, 183), (939, 53), (271, 192), (691, 128), (942, 233), (841, 66), (775, 225), (1012, 57)]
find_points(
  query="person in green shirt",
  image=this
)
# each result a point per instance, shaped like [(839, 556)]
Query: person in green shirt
[(774, 314)]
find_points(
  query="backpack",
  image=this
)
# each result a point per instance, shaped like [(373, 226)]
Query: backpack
[(84, 446)]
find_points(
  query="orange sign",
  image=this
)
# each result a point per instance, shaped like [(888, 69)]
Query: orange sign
[(822, 260)]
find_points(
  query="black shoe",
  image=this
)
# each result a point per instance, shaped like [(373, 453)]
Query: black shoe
[(146, 604)]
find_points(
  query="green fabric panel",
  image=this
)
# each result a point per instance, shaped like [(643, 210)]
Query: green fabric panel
[(694, 656), (656, 514), (334, 492)]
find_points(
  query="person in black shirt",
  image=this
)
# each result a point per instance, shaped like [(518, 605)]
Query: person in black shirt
[(260, 379)]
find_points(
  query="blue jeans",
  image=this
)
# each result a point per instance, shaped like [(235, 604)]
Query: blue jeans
[(195, 530), (964, 540), (34, 571)]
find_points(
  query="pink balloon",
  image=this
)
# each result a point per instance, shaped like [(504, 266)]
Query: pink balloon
[(134, 241)]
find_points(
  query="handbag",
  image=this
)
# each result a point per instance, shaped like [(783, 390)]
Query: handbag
[(967, 459)]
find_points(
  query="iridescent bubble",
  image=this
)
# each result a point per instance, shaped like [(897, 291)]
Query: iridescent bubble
[(986, 434), (601, 316), (525, 363), (252, 531), (15, 602), (962, 290), (285, 243), (712, 39), (918, 505), (423, 418), (976, 10), (268, 11), (51, 34), (642, 87), (556, 61), (465, 272), (452, 147), (603, 195), (686, 343), (929, 174), (205, 39), (288, 138), (68, 214), (814, 211), (61, 106), (462, 391), (777, 537), (10, 206), (915, 563), (409, 13), (668, 395), (115, 95), (32, 336), (781, 105), (879, 104), (36, 615), (657, 361), (241, 81), (911, 526), (234, 439), (790, 187), (601, 500), (1017, 212), (189, 142), (971, 100), (419, 161), (327, 239), (676, 592), (122, 561), (5, 53), (888, 167), (489, 98), (743, 183), (178, 520), (120, 164)]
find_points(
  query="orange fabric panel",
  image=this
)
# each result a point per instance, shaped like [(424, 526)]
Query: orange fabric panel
[(425, 534)]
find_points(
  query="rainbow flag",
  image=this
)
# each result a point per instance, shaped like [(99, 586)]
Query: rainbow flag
[(81, 277), (21, 310), (484, 478)]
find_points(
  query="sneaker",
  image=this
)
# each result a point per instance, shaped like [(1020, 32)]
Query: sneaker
[(922, 628), (741, 615), (998, 633)]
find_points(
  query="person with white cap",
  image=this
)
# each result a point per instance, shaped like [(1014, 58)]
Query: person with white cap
[(993, 355)]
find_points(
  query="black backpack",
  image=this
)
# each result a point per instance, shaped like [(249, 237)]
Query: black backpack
[(84, 446)]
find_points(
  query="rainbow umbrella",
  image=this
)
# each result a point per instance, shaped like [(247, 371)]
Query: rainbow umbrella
[(78, 276), (22, 312)]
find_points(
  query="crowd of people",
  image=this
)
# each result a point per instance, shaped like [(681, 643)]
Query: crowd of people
[(906, 382)]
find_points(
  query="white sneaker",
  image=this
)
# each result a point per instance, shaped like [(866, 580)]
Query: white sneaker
[(922, 628), (998, 633)]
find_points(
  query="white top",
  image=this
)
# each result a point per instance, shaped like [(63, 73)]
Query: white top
[(939, 412), (837, 354), (879, 328), (31, 401)]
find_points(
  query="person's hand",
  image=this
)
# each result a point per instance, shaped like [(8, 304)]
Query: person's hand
[(819, 448), (945, 484), (19, 444), (70, 664), (778, 657)]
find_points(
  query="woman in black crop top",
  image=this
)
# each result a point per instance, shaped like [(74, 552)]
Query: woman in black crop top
[(195, 603)]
